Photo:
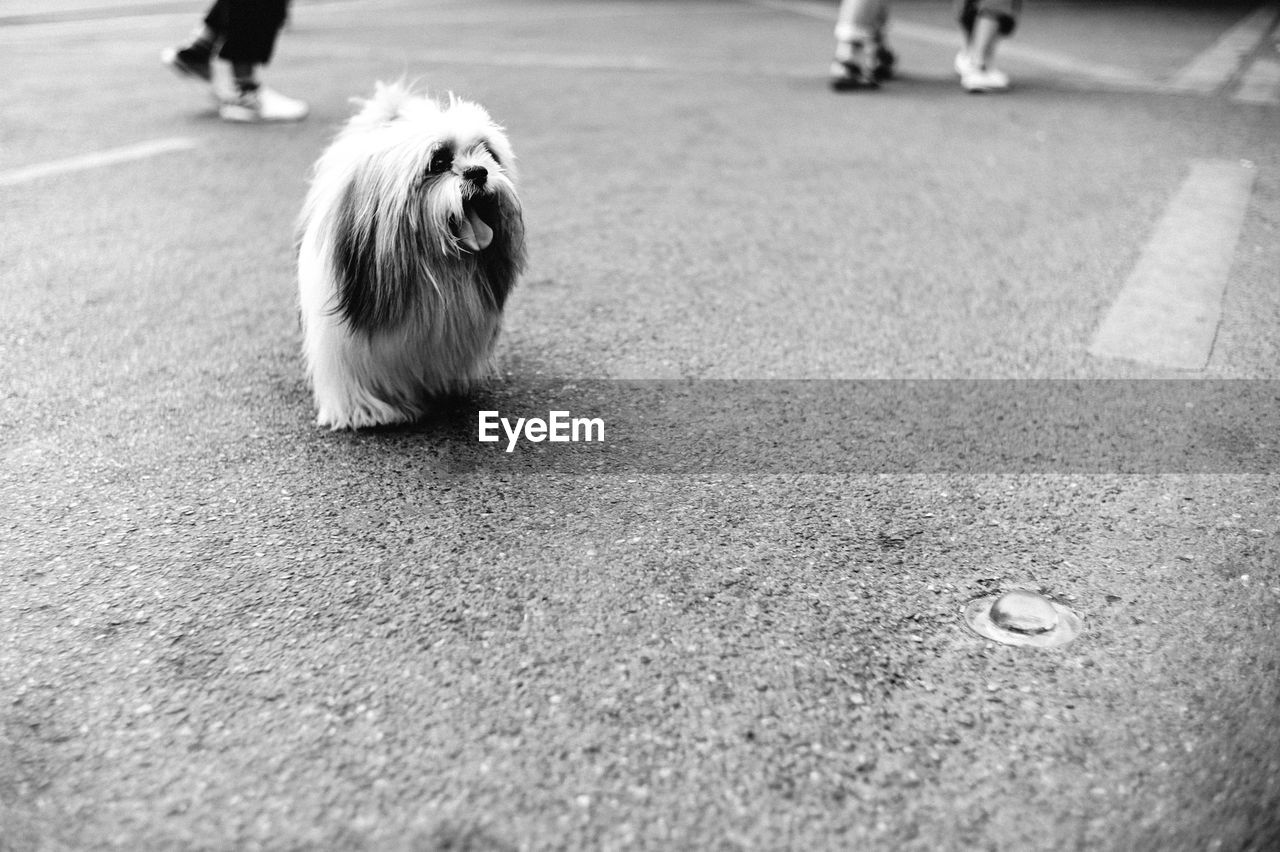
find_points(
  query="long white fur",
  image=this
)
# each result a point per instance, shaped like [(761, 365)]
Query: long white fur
[(388, 372)]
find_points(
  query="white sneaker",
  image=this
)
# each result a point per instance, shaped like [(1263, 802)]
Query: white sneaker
[(963, 64), (262, 104)]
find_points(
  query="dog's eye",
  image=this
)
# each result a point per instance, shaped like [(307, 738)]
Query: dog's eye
[(441, 161)]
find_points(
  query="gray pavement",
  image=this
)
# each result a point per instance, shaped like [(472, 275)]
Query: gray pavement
[(224, 629)]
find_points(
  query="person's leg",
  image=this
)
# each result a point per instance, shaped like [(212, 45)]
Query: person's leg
[(251, 30), (984, 23), (983, 39), (859, 20), (195, 59), (883, 58), (215, 20), (859, 27)]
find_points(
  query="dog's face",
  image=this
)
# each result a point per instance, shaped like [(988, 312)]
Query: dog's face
[(458, 161), (464, 181), (429, 198)]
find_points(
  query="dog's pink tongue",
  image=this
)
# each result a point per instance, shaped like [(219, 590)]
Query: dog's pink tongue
[(475, 234)]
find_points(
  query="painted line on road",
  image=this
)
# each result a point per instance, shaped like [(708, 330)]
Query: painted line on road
[(1260, 83), (576, 11), (35, 16), (1168, 310), (21, 28), (1215, 67), (555, 61), (96, 159), (98, 13)]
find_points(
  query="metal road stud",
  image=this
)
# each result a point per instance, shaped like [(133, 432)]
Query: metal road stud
[(1022, 618)]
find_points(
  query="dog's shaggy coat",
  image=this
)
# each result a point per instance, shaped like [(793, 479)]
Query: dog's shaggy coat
[(411, 240)]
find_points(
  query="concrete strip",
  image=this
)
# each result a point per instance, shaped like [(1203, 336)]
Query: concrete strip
[(1215, 67), (1260, 83), (1167, 313), (95, 160)]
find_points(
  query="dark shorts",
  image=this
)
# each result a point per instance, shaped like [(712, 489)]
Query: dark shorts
[(248, 28), (1005, 13)]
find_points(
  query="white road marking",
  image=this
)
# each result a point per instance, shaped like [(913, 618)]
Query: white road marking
[(1213, 68), (1260, 83), (559, 61), (464, 14), (41, 27), (96, 159), (1167, 313)]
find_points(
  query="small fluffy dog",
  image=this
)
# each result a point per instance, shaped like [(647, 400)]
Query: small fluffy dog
[(411, 239)]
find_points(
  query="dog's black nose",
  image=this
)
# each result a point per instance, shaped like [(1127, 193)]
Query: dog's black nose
[(476, 174)]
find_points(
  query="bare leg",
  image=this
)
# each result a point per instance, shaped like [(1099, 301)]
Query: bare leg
[(986, 35), (975, 61)]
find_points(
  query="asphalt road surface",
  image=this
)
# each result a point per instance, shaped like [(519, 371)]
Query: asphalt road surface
[(223, 628)]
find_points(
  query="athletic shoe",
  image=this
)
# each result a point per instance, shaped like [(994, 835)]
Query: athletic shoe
[(846, 75), (885, 60), (188, 62), (262, 104), (963, 63), (978, 80)]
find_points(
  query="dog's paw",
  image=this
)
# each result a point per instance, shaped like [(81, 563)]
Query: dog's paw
[(363, 415)]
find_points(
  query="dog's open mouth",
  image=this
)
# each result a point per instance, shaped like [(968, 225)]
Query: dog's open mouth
[(474, 230)]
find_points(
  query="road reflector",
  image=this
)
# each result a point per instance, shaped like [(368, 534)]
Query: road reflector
[(1022, 618)]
